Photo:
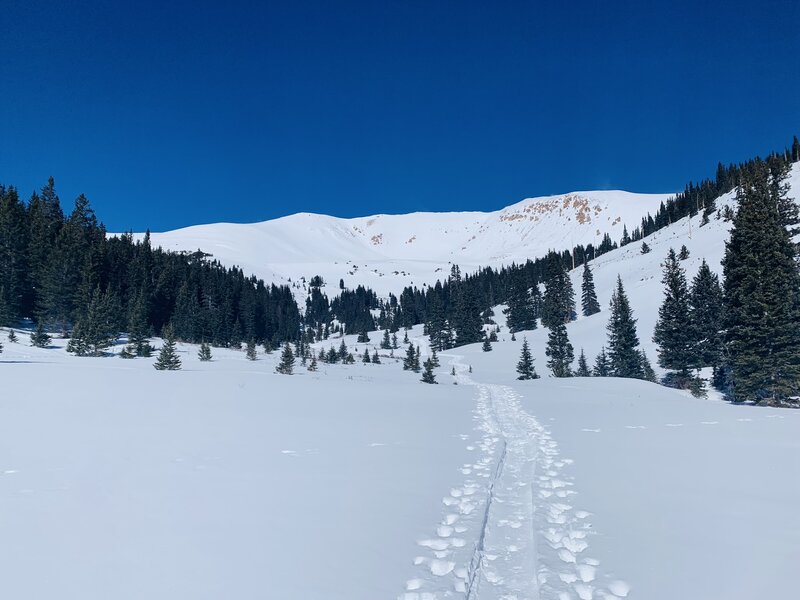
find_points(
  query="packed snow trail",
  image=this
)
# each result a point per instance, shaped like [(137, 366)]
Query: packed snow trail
[(510, 532)]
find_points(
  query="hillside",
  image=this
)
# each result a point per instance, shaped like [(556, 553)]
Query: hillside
[(388, 252)]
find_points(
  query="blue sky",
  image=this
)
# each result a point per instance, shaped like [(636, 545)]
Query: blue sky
[(172, 114)]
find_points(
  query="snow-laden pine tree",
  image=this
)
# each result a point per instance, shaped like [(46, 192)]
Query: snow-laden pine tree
[(312, 366), (560, 351), (623, 341), (589, 302), (168, 359), (762, 295), (525, 367), (487, 345)]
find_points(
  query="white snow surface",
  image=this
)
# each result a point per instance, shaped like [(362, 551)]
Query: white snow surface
[(389, 252), (359, 482)]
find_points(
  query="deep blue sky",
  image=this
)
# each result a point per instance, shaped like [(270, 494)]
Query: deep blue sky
[(175, 113)]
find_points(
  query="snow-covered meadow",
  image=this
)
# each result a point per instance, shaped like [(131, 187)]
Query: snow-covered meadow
[(228, 480)]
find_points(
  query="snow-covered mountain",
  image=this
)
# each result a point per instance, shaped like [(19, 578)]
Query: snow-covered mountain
[(388, 252)]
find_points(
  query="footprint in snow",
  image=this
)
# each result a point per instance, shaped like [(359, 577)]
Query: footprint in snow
[(591, 430)]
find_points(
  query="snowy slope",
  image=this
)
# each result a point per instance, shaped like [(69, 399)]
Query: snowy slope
[(359, 482), (388, 252)]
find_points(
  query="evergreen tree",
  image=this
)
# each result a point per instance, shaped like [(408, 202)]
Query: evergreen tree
[(95, 331), (365, 358), (558, 303), (588, 295), (405, 337), (376, 360), (12, 337), (525, 366), (684, 253), (363, 338), (467, 321), (583, 366), (487, 345), (343, 351), (761, 289), (408, 361), (39, 338), (602, 364), (168, 359), (138, 329), (560, 351), (522, 310), (395, 345), (645, 248), (251, 350), (427, 374), (673, 332), (416, 365), (705, 316), (386, 344), (286, 364), (312, 366), (434, 358), (204, 354), (647, 369), (623, 341)]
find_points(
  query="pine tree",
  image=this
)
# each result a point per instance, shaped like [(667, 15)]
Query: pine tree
[(684, 253), (376, 360), (395, 345), (267, 347), (365, 358), (583, 366), (522, 310), (645, 248), (168, 359), (138, 329), (761, 296), (363, 338), (12, 337), (386, 344), (312, 366), (427, 374), (558, 303), (39, 338), (434, 358), (647, 369), (525, 366), (588, 295), (416, 365), (286, 364), (560, 351), (408, 361), (705, 316), (95, 331), (487, 345), (405, 337), (623, 341), (343, 351), (673, 332), (251, 350), (602, 365), (204, 354)]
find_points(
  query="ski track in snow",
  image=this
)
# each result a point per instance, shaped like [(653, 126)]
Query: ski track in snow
[(511, 530)]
